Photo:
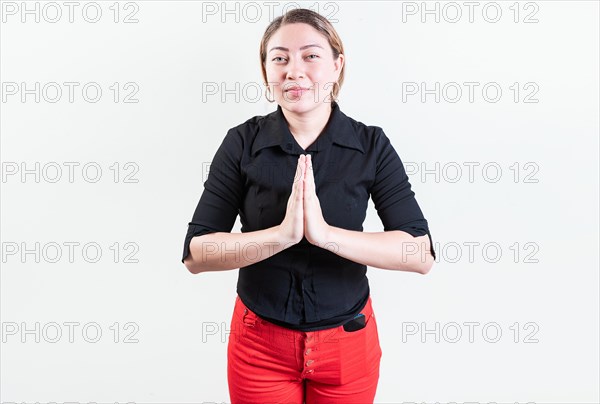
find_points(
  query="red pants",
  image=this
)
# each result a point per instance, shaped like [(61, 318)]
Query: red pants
[(269, 364)]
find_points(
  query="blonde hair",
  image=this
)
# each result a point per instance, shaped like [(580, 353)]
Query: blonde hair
[(315, 20)]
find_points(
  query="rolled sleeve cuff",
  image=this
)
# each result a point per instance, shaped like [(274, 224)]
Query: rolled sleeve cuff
[(416, 229), (193, 231)]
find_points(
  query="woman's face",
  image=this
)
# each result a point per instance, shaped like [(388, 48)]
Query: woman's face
[(300, 68)]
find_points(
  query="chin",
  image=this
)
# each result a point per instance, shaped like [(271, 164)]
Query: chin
[(300, 105)]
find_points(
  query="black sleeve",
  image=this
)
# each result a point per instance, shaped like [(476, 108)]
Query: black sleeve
[(392, 195), (219, 204)]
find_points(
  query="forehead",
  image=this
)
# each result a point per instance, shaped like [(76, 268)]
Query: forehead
[(293, 36)]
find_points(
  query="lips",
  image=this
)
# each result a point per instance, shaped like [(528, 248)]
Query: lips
[(296, 88)]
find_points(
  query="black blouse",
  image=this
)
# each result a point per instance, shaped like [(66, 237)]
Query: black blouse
[(305, 287)]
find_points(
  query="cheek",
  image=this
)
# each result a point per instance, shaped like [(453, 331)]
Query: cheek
[(321, 76), (273, 74), (325, 82)]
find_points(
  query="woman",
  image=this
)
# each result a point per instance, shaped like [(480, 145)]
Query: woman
[(300, 178)]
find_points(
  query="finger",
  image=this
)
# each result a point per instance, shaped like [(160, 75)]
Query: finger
[(295, 181), (310, 179), (298, 170), (299, 186), (302, 162)]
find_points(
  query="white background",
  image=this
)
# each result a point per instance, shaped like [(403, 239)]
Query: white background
[(175, 50)]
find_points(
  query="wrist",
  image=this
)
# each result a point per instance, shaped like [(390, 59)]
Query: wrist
[(329, 235), (282, 239), (326, 239)]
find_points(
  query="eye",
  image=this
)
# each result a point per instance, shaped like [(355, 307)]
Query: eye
[(315, 56), (275, 59)]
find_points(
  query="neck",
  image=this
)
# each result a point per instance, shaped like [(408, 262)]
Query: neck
[(306, 127)]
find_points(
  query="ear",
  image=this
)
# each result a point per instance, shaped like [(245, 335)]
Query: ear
[(339, 63)]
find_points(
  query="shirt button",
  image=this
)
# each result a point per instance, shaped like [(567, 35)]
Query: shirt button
[(309, 362), (307, 351)]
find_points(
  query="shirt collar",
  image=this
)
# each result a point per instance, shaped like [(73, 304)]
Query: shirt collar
[(275, 131)]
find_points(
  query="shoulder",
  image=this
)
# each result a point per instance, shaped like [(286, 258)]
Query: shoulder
[(240, 138), (370, 136), (251, 126)]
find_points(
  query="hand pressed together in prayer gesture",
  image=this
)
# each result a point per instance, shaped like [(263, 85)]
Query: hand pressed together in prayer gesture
[(315, 227), (303, 215)]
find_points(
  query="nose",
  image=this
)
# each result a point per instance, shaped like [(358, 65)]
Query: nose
[(295, 70)]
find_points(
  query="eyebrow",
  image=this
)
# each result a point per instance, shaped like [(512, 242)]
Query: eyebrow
[(287, 50)]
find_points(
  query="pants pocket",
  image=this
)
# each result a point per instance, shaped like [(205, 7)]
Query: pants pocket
[(359, 352)]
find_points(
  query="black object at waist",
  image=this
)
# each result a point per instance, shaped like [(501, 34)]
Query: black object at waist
[(321, 324)]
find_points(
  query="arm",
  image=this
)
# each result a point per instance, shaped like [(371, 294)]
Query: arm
[(395, 249), (222, 251)]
